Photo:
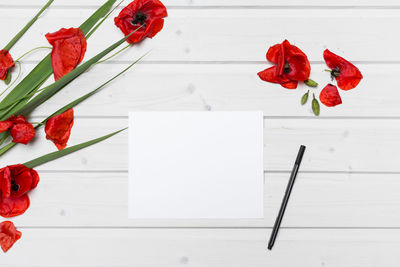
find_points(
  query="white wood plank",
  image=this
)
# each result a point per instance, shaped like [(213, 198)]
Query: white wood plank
[(333, 145), (202, 3), (318, 200), (222, 87), (207, 247), (208, 35)]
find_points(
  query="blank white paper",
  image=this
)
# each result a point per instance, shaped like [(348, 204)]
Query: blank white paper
[(196, 165)]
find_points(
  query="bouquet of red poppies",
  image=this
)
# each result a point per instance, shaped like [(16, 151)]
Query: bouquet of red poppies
[(139, 20)]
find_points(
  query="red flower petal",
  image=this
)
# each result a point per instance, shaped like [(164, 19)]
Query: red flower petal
[(22, 133), (349, 75), (5, 125), (299, 66), (8, 235), (5, 182), (69, 47), (6, 62), (269, 75), (11, 207), (329, 96), (58, 128), (150, 13), (21, 130)]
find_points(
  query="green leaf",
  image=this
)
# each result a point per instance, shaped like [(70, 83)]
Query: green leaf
[(311, 83), (72, 104), (8, 78), (27, 26), (58, 154), (315, 106), (53, 88), (304, 98), (32, 82)]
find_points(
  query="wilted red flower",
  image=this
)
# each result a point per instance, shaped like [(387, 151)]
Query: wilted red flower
[(16, 181), (6, 62), (8, 235), (58, 128), (21, 131), (329, 96), (69, 47), (346, 74), (292, 65), (149, 14)]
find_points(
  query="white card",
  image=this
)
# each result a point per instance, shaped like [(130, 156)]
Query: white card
[(196, 165)]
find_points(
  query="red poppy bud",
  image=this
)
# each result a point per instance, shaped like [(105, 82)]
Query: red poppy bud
[(6, 63), (149, 14), (58, 128), (346, 74), (20, 130), (329, 96), (8, 235), (292, 65), (69, 47)]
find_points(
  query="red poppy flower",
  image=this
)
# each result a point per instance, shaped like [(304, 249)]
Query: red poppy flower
[(6, 63), (292, 65), (69, 47), (149, 14), (15, 182), (58, 128), (329, 96), (8, 235), (346, 74), (21, 131)]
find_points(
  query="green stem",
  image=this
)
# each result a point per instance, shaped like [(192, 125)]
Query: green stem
[(30, 51), (27, 26)]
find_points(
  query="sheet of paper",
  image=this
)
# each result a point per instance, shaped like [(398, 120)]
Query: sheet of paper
[(196, 165)]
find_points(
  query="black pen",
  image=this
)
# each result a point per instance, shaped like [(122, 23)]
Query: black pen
[(286, 197)]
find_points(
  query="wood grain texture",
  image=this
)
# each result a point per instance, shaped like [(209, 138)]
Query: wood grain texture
[(206, 247), (207, 34), (344, 209), (330, 147), (221, 87), (82, 199), (225, 3)]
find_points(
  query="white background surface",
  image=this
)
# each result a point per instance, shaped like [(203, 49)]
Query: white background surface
[(344, 210)]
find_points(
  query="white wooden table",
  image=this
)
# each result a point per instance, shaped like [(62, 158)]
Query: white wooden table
[(345, 208)]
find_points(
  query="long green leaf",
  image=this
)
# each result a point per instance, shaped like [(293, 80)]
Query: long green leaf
[(27, 26), (72, 104), (53, 88), (58, 154), (43, 70)]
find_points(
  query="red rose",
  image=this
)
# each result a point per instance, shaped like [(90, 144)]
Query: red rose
[(6, 63), (292, 65), (346, 74), (20, 130), (69, 47), (149, 13), (15, 182), (58, 128), (8, 235), (329, 96)]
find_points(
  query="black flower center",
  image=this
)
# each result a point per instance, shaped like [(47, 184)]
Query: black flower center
[(14, 186), (335, 73), (140, 18), (287, 68)]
